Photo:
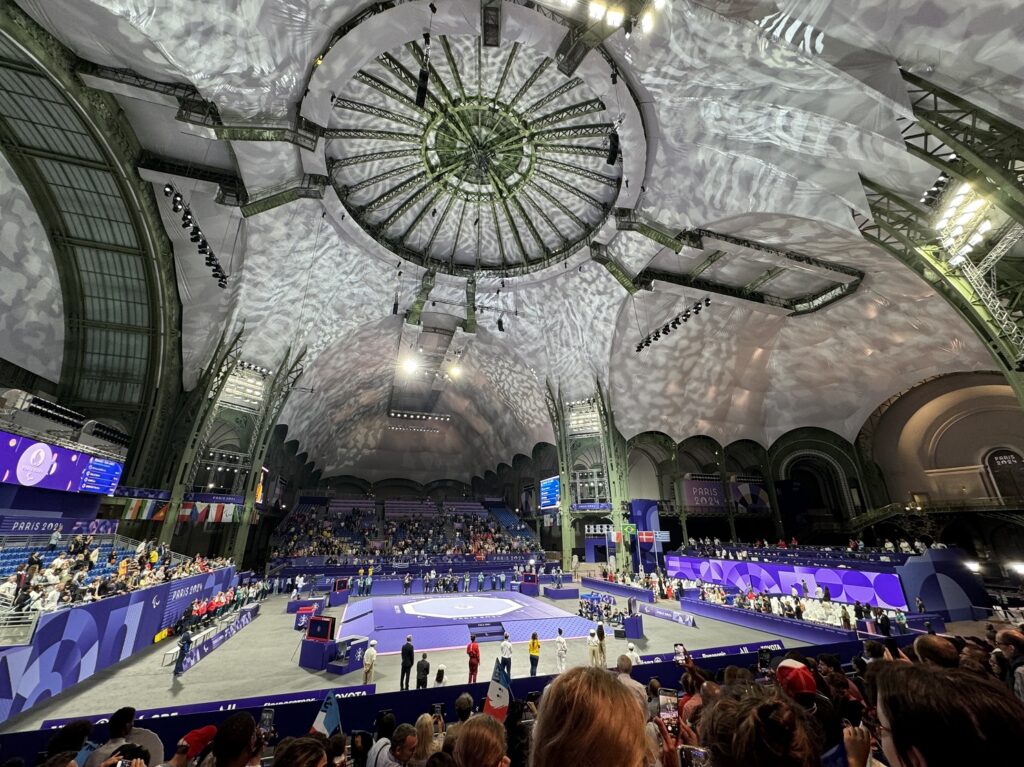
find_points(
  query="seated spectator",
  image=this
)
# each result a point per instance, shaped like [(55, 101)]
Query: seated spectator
[(586, 717), (122, 730), (798, 682), (943, 718), (481, 743), (301, 752), (191, 745), (624, 666), (760, 729)]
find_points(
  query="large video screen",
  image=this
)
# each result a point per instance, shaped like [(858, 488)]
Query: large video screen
[(878, 589), (550, 493), (24, 461)]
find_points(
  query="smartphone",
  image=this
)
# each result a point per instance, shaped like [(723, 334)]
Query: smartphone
[(533, 696), (266, 725), (439, 710), (668, 709), (679, 653), (692, 756)]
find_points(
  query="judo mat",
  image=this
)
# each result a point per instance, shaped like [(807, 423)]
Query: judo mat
[(444, 621)]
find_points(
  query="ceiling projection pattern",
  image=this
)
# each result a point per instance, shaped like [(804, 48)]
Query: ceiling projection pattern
[(503, 165)]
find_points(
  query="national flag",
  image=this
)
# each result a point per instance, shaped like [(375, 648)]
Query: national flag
[(645, 536), (328, 718), (499, 693), (662, 536)]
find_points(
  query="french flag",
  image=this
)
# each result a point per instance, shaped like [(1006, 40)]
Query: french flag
[(499, 694)]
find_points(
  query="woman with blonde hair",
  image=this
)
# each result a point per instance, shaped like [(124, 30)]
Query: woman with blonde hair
[(586, 716), (481, 743), (425, 744)]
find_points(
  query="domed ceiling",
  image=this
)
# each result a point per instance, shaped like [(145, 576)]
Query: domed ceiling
[(559, 193)]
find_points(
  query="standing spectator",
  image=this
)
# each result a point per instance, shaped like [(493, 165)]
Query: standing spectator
[(473, 651), (506, 655), (426, 746), (632, 654), (624, 666), (561, 650), (942, 717), (534, 649), (122, 730), (1010, 643), (395, 751), (369, 659), (601, 655), (760, 728), (920, 604), (408, 658), (422, 673), (55, 537), (463, 710), (481, 743), (587, 718)]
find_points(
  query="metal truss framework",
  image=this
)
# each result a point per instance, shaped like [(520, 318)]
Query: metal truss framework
[(847, 281), (904, 230)]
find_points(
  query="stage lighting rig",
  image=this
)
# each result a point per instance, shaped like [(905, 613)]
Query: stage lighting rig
[(674, 323), (195, 235)]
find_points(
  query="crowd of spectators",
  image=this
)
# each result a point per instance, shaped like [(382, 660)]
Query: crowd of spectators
[(357, 536), (45, 583), (856, 549), (945, 702)]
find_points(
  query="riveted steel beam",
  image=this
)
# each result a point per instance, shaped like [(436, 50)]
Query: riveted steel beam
[(384, 114), (567, 113), (580, 171), (561, 90), (358, 159), (575, 191), (528, 83), (763, 279)]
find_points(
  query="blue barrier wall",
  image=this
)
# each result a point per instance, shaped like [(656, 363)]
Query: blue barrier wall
[(813, 633), (71, 645), (295, 711)]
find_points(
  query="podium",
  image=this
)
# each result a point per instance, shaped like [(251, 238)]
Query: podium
[(634, 627), (565, 593), (338, 598), (349, 655), (294, 604), (315, 655)]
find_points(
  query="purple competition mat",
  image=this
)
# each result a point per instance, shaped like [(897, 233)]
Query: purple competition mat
[(442, 621)]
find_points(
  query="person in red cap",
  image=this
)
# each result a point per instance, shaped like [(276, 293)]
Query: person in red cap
[(190, 746), (797, 681)]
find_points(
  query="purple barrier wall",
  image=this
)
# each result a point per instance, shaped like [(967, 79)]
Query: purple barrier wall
[(617, 588), (812, 633), (878, 589), (683, 619), (44, 525), (71, 645)]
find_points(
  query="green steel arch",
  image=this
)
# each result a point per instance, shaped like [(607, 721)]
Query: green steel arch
[(76, 155)]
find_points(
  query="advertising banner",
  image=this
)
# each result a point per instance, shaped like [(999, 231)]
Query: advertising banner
[(683, 619), (245, 616), (750, 497), (878, 589), (11, 525), (142, 492), (273, 701), (704, 495)]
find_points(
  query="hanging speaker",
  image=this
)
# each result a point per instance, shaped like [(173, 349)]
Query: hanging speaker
[(421, 88), (613, 148)]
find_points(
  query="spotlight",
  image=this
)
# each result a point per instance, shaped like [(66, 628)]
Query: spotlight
[(647, 22), (614, 17), (410, 365), (596, 10), (176, 207), (455, 371), (177, 199), (707, 300), (168, 189)]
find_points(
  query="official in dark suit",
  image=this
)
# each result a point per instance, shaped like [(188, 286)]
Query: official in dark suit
[(408, 658), (422, 673)]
